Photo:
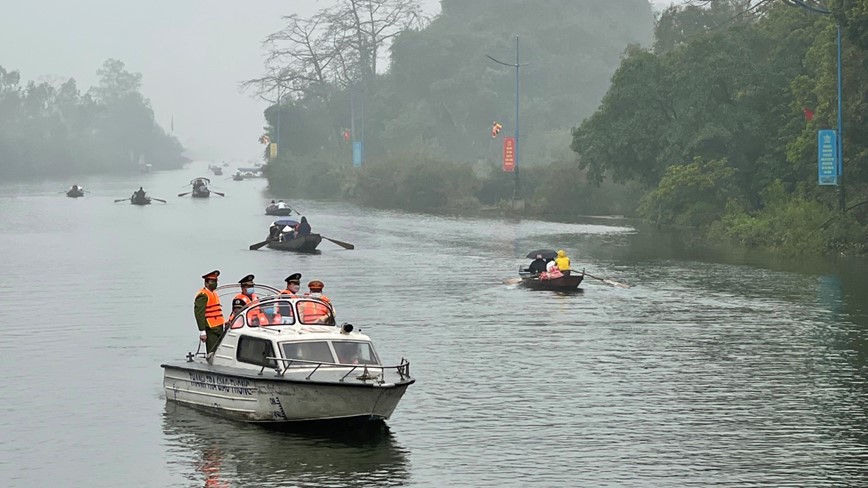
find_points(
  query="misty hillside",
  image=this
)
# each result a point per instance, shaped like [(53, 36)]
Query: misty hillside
[(442, 93)]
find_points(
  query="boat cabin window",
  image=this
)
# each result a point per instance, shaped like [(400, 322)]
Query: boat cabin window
[(270, 313), (317, 352), (254, 351), (315, 312), (353, 352)]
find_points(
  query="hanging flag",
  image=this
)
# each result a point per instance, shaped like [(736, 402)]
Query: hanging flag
[(495, 129), (347, 135), (809, 114)]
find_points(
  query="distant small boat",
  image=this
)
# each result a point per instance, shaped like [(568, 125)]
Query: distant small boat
[(75, 193), (200, 188), (283, 242), (278, 211), (305, 244), (140, 201), (238, 177), (564, 283)]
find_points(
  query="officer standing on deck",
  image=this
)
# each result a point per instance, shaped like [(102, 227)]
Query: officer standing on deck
[(209, 312)]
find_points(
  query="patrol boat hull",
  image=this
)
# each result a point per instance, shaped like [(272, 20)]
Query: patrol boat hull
[(285, 400)]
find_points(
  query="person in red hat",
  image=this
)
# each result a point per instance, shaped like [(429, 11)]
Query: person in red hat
[(314, 313), (209, 312)]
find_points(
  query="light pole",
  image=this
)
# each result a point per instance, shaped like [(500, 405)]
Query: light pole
[(277, 153), (818, 9), (517, 192), (358, 160)]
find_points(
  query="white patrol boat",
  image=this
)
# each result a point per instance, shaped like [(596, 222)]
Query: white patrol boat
[(282, 360)]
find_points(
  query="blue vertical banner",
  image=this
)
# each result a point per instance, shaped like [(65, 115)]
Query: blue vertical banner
[(827, 157), (357, 154)]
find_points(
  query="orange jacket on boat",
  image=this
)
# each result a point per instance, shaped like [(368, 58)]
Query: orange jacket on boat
[(213, 309)]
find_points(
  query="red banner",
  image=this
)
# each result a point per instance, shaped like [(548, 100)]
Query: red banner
[(509, 154)]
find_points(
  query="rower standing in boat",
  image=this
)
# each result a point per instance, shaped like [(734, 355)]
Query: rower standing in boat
[(246, 297), (302, 228), (209, 312)]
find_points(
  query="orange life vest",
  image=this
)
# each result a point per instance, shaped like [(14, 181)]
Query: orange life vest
[(289, 292), (213, 309), (247, 300), (313, 312), (262, 319), (320, 296)]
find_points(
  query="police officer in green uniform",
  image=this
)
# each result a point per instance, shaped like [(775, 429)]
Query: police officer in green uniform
[(209, 312)]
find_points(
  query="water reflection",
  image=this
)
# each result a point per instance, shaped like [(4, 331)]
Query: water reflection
[(213, 452)]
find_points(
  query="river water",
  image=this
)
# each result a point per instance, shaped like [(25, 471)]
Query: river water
[(716, 368)]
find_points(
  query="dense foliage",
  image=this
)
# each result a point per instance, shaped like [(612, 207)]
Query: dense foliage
[(48, 129), (712, 123), (707, 128)]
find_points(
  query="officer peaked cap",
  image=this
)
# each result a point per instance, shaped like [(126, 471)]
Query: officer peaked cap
[(293, 278), (212, 275)]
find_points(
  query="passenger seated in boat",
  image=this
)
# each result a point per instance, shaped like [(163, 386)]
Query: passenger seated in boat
[(538, 265), (551, 272), (563, 262), (280, 204)]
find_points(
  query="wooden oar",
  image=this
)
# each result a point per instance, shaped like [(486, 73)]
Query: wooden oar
[(345, 245), (258, 245), (511, 281), (122, 200), (217, 192), (608, 282), (185, 193), (159, 200)]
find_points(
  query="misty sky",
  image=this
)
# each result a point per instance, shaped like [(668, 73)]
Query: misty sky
[(191, 53)]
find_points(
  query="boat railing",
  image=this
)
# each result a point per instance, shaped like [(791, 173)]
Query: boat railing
[(369, 371)]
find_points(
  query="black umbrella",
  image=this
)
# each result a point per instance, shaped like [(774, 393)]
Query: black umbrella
[(542, 253)]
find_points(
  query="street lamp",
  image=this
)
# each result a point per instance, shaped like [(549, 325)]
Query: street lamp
[(819, 9), (358, 149), (517, 66)]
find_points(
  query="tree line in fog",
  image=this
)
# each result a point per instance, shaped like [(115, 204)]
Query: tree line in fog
[(55, 129)]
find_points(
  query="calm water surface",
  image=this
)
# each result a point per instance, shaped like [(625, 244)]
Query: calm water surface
[(714, 369)]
